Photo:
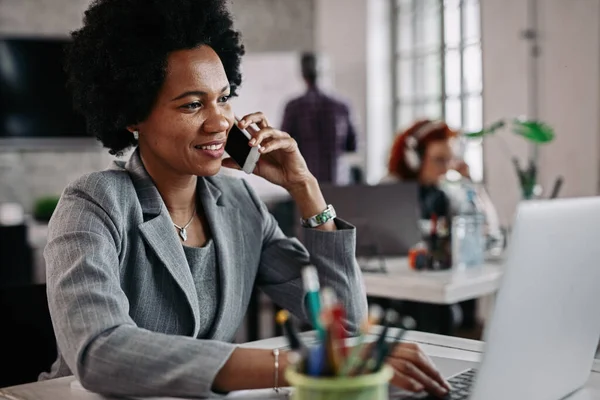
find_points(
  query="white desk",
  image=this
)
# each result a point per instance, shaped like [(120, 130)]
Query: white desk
[(436, 287), (451, 355)]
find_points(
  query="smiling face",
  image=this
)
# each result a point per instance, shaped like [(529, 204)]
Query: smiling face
[(186, 130)]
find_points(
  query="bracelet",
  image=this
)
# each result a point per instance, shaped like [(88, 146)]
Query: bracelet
[(276, 375), (317, 220)]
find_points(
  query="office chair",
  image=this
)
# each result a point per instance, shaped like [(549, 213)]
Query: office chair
[(27, 341), (16, 266)]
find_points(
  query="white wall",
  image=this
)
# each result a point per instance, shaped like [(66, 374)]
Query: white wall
[(569, 93), (351, 32), (354, 35), (570, 99), (504, 94), (340, 35)]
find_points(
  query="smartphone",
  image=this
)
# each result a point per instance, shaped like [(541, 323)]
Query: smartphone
[(240, 151)]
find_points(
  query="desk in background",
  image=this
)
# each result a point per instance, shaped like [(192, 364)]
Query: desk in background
[(431, 294), (399, 282), (450, 354)]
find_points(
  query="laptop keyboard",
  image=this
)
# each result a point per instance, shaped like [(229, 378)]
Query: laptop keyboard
[(461, 385), (461, 388)]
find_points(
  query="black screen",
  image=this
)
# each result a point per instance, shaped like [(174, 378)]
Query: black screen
[(34, 101), (237, 145)]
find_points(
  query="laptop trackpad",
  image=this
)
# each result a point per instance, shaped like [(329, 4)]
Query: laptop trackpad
[(450, 367)]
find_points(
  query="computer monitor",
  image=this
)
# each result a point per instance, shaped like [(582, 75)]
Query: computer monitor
[(34, 100), (386, 216)]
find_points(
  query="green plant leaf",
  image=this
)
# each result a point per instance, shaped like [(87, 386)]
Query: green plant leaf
[(534, 131), (486, 131), (473, 135)]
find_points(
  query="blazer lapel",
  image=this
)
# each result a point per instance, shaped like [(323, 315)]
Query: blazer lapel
[(158, 232), (225, 225)]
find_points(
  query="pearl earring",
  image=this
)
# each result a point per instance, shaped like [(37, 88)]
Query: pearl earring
[(136, 134)]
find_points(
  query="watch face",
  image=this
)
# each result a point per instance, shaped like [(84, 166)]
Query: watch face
[(324, 217), (320, 219)]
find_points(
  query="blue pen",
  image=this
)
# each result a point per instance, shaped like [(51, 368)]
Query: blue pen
[(310, 280), (315, 364)]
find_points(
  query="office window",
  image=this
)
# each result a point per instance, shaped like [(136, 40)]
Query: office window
[(438, 72)]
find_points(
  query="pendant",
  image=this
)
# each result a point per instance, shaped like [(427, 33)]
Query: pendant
[(183, 234)]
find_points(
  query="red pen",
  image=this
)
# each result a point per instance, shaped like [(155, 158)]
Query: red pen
[(334, 314)]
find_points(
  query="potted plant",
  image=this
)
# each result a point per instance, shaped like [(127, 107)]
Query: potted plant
[(43, 208), (536, 132)]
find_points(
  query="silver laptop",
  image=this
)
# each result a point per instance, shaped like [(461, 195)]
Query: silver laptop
[(546, 324), (386, 216)]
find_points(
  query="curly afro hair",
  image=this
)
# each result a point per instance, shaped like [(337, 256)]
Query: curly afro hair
[(117, 61)]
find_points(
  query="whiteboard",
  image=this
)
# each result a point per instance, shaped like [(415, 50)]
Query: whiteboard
[(269, 81)]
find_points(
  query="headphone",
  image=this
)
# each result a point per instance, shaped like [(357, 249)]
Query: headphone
[(411, 155)]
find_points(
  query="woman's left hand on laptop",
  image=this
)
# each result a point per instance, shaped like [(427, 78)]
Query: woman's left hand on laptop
[(414, 371)]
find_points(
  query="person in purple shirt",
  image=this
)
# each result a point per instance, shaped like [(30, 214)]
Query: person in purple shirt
[(321, 125)]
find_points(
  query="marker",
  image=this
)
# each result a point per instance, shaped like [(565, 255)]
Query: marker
[(310, 280)]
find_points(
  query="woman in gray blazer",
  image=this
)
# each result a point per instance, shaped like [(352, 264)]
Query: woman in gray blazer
[(151, 263)]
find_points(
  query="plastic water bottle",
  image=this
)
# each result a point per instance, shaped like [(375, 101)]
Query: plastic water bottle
[(468, 240)]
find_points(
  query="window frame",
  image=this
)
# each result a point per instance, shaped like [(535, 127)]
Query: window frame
[(416, 100)]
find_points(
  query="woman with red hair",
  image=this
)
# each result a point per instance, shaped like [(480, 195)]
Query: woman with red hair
[(422, 152)]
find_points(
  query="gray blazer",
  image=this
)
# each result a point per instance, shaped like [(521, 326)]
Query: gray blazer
[(123, 300)]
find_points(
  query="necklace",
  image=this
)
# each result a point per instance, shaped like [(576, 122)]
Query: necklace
[(183, 230)]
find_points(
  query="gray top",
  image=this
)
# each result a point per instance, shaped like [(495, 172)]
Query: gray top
[(121, 294), (203, 265)]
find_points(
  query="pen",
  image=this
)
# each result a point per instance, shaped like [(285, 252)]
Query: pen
[(283, 319), (375, 313), (375, 364), (310, 280), (315, 363), (406, 324), (379, 346), (332, 317)]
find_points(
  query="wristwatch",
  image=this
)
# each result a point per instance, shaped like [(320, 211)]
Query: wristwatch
[(327, 215)]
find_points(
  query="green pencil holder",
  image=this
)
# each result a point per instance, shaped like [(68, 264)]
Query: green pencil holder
[(363, 387)]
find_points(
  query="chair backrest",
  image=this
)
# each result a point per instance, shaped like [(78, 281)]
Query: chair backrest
[(16, 265), (27, 341)]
